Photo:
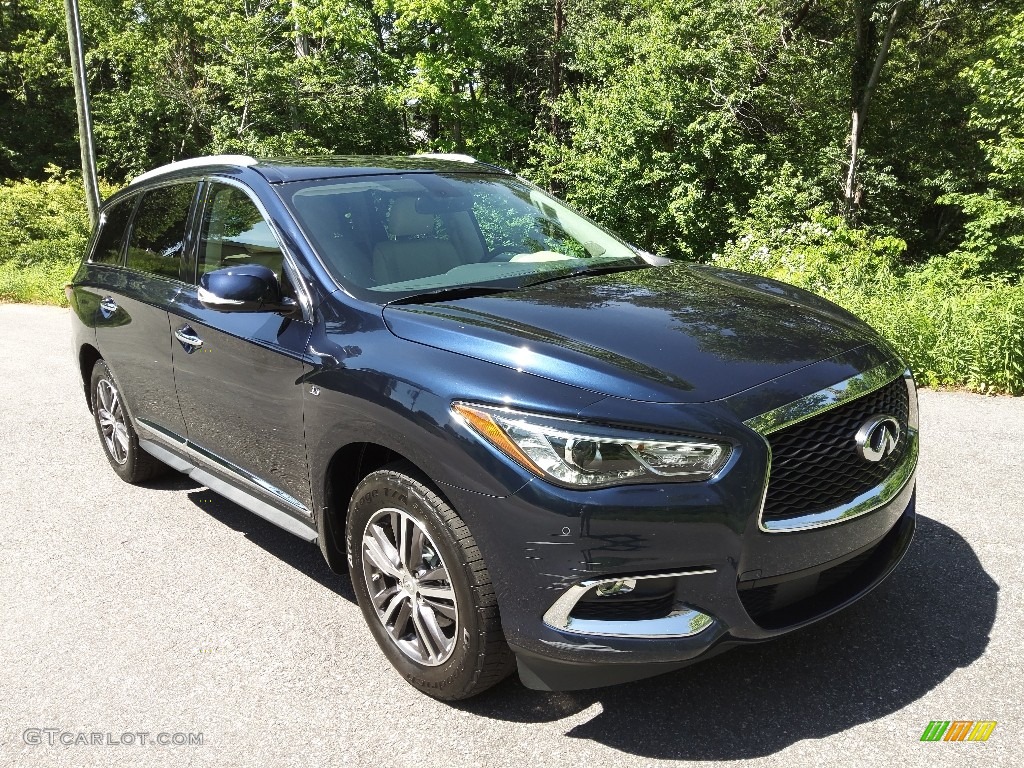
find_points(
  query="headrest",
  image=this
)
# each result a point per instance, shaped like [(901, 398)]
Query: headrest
[(405, 221)]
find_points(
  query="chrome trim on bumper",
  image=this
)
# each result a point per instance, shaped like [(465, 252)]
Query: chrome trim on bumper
[(683, 621), (867, 502), (826, 399)]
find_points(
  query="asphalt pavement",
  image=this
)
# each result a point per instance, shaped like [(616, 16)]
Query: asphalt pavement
[(168, 611)]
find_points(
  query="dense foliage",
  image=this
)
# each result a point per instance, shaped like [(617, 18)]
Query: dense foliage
[(44, 228), (859, 147)]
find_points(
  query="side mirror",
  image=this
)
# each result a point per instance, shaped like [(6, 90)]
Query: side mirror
[(245, 288)]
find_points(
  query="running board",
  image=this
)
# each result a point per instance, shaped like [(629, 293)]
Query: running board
[(227, 490)]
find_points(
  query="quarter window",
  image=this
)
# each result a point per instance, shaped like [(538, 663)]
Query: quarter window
[(111, 237), (158, 235)]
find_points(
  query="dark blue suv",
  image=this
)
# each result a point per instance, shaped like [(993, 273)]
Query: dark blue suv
[(528, 442)]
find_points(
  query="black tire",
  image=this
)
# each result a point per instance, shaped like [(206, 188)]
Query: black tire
[(128, 460), (479, 657)]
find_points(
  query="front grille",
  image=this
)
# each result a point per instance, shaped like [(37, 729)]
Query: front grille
[(815, 465)]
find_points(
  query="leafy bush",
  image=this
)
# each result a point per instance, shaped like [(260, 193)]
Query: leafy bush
[(954, 327), (44, 229), (37, 284)]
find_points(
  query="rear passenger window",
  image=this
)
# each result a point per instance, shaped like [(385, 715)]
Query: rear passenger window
[(235, 232), (158, 234), (111, 237)]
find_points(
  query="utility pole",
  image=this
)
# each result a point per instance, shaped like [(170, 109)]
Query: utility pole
[(85, 140)]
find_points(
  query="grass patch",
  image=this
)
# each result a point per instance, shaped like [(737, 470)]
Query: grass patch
[(35, 283)]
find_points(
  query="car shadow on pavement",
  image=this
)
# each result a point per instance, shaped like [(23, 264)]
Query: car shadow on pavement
[(172, 481), (300, 555), (931, 617)]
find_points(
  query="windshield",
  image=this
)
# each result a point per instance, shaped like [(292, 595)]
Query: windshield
[(392, 236)]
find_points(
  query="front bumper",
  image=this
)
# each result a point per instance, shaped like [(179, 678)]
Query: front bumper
[(617, 664), (733, 582)]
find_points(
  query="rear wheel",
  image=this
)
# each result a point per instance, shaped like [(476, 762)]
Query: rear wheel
[(422, 585), (117, 435)]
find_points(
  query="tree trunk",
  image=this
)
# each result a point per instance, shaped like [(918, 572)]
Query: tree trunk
[(301, 52), (457, 117), (555, 185), (556, 67), (867, 67), (85, 137), (301, 40)]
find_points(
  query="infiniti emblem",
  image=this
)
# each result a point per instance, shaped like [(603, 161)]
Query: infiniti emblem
[(877, 438)]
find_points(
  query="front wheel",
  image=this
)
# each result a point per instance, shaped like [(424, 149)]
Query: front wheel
[(423, 588)]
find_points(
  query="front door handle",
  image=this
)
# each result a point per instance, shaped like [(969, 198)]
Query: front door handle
[(188, 339), (107, 307)]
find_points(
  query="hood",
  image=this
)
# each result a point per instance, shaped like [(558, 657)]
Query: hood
[(681, 334)]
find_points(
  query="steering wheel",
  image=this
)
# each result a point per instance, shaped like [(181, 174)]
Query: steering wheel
[(501, 249)]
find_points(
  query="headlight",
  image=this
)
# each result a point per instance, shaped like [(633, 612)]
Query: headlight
[(583, 455)]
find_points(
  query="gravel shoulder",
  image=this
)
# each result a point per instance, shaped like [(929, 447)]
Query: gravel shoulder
[(167, 609)]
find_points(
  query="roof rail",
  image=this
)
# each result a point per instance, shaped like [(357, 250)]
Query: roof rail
[(459, 158), (447, 156), (194, 162)]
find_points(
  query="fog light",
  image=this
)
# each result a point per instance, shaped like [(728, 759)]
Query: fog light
[(621, 587)]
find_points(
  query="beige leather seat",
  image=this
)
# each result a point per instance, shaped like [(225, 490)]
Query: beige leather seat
[(336, 240), (415, 252)]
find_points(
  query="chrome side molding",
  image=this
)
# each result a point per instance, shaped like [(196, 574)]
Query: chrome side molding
[(228, 490), (255, 505)]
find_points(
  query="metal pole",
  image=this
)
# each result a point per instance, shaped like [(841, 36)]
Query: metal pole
[(85, 140)]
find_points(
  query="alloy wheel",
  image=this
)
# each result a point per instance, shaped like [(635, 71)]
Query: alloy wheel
[(410, 587), (111, 416)]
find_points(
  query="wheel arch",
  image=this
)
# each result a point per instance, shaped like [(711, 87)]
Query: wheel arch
[(88, 356), (347, 467)]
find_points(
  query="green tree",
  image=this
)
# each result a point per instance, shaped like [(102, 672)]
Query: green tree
[(36, 99), (993, 207)]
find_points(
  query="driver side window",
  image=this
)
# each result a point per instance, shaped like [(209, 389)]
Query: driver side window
[(234, 233)]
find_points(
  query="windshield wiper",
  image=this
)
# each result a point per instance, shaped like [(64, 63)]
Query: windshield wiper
[(449, 294), (471, 291), (587, 271)]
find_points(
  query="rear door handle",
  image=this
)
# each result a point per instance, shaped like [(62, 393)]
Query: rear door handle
[(188, 339), (107, 307)]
